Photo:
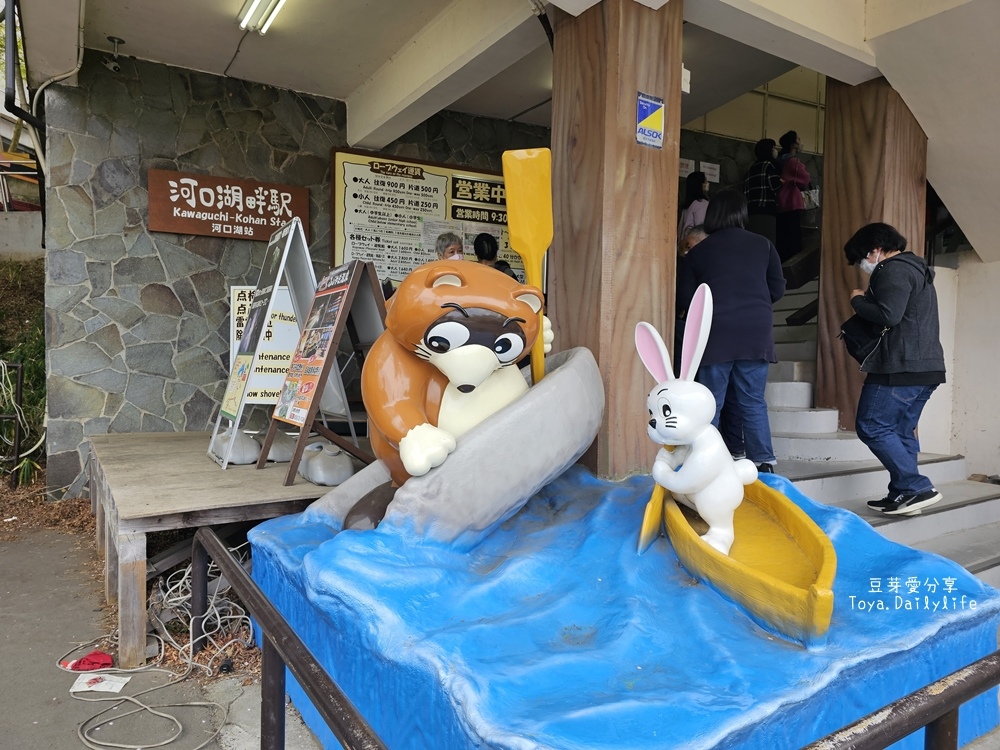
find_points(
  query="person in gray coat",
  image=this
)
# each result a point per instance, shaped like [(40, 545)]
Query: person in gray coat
[(905, 368)]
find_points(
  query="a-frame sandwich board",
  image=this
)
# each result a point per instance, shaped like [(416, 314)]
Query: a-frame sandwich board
[(348, 299), (286, 260)]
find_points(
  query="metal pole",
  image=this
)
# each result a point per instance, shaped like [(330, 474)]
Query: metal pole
[(272, 698), (334, 707), (942, 733), (199, 594)]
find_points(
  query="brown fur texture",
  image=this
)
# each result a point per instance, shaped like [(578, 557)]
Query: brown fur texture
[(400, 389)]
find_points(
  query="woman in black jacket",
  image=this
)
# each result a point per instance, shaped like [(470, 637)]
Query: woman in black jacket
[(744, 273), (904, 369)]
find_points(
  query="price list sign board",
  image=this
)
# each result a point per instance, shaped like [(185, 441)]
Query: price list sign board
[(391, 212)]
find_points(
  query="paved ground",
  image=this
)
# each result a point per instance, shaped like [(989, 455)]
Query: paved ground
[(49, 601)]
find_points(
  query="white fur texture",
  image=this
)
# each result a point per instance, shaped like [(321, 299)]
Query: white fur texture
[(699, 471)]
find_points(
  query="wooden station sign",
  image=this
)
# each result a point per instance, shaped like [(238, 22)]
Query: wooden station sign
[(222, 206)]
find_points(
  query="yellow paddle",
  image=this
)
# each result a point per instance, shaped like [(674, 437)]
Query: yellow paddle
[(652, 519), (527, 176)]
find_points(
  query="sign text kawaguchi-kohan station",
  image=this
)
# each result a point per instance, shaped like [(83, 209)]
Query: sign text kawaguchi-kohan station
[(222, 206)]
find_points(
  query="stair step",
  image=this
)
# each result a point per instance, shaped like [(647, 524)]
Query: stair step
[(788, 394), (779, 317), (960, 511), (796, 350), (838, 482), (792, 371), (802, 420), (965, 504), (796, 298), (829, 446), (975, 549), (784, 333)]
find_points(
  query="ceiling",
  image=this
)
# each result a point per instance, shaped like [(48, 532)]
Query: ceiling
[(391, 60)]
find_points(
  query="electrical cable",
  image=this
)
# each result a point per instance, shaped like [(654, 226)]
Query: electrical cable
[(223, 615), (62, 76)]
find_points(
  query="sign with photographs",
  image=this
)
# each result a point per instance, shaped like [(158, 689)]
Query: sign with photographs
[(394, 213), (349, 301), (222, 206), (310, 356)]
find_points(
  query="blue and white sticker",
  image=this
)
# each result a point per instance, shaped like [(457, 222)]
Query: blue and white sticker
[(649, 120)]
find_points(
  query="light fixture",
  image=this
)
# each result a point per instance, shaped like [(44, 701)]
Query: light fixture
[(258, 15)]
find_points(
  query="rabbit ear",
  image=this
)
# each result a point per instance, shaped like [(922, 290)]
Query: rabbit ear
[(696, 329), (653, 352)]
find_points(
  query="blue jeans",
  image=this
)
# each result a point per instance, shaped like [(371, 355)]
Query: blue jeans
[(886, 421), (745, 380), (731, 424)]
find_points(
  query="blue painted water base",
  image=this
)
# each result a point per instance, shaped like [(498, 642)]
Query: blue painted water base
[(553, 633)]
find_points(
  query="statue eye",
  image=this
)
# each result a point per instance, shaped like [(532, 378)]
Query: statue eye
[(445, 336), (508, 347), (666, 410)]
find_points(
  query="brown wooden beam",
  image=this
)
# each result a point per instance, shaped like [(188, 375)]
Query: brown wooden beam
[(615, 205), (874, 169)]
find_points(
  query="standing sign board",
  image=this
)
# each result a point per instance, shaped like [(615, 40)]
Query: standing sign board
[(257, 318), (348, 299), (391, 212), (287, 258), (313, 350), (274, 352)]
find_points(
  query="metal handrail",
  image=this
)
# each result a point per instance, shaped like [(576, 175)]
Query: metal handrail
[(281, 647), (934, 706)]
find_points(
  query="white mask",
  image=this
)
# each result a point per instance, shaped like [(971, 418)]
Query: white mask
[(868, 266)]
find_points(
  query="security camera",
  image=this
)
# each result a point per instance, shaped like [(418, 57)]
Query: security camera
[(111, 65)]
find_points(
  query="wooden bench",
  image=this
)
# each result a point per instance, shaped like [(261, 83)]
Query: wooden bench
[(143, 482)]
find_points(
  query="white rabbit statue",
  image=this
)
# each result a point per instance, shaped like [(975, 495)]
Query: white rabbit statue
[(699, 470)]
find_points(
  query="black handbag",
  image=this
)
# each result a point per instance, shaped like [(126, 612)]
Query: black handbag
[(861, 337)]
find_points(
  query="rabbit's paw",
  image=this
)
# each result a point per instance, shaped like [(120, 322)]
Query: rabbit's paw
[(663, 474), (672, 458), (424, 447)]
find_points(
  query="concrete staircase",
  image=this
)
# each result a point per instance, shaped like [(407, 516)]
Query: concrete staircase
[(836, 468)]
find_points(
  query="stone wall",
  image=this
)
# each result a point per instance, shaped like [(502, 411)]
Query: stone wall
[(137, 327)]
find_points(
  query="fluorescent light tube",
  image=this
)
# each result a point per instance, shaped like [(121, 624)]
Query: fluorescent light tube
[(271, 17), (245, 18)]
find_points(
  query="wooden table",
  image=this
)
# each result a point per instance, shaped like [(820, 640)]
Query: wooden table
[(142, 482)]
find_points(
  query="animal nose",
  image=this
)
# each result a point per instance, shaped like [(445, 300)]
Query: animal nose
[(652, 423), (466, 388)]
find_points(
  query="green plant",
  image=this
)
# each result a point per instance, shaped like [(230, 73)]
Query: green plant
[(29, 351)]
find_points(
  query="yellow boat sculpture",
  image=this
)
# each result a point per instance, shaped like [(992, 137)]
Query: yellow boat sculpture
[(781, 566)]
